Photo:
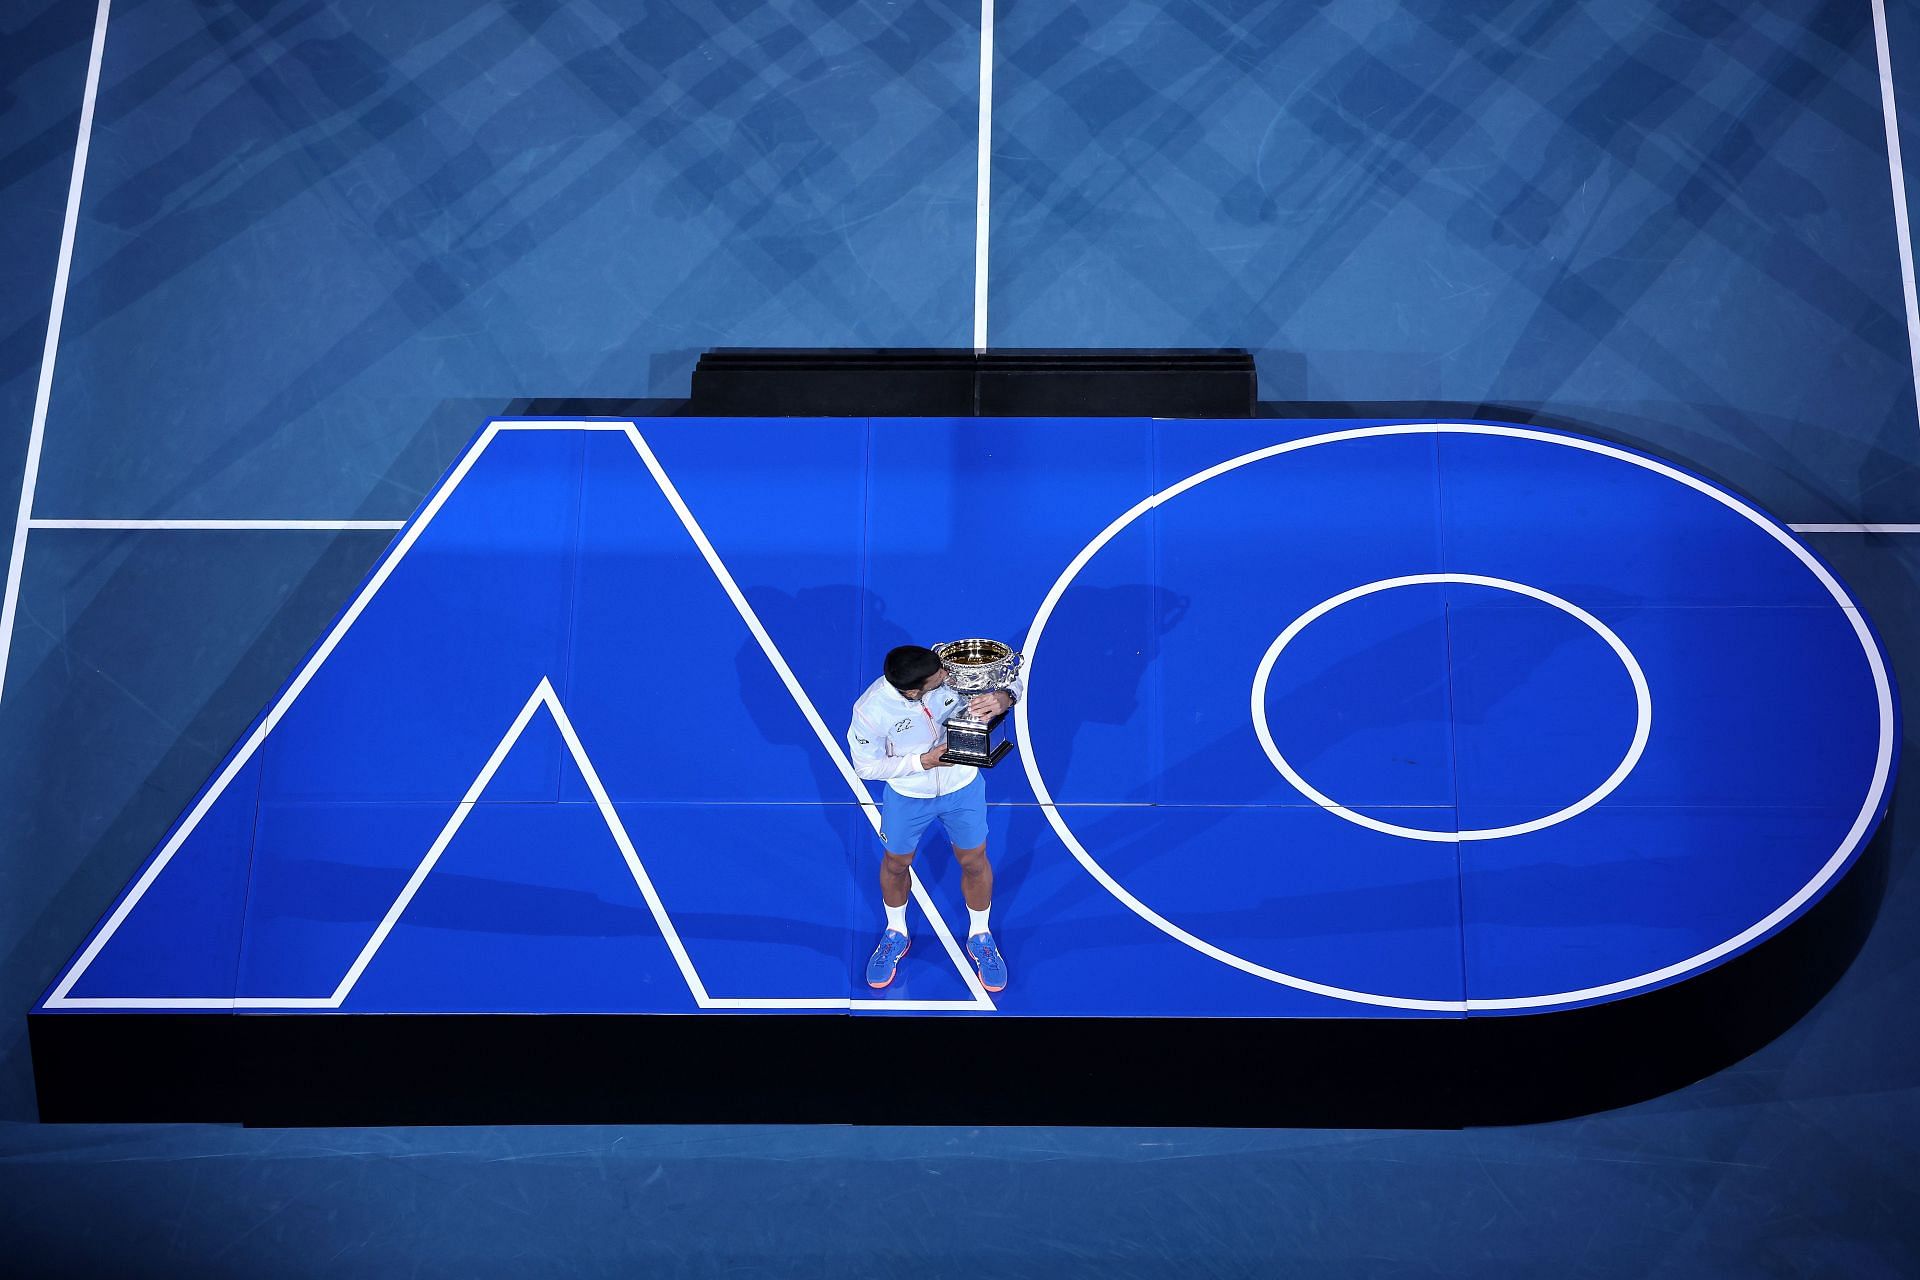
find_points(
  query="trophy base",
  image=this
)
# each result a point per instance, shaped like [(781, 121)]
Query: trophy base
[(986, 761), (980, 744)]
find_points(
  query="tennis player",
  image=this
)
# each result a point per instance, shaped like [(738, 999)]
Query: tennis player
[(899, 736)]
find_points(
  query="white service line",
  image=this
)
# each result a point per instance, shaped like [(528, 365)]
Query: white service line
[(218, 525), (1855, 528), (982, 181), (1898, 174), (30, 473)]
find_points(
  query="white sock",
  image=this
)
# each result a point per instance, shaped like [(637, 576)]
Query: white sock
[(897, 918), (977, 921)]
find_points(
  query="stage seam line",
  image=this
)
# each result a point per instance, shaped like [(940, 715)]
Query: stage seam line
[(36, 436), (346, 525), (1898, 174), (193, 524), (983, 177)]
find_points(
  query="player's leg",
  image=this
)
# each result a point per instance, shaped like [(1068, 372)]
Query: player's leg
[(976, 885), (895, 886), (965, 818), (902, 821)]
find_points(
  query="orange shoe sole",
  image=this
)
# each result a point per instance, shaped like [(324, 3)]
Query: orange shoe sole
[(882, 986)]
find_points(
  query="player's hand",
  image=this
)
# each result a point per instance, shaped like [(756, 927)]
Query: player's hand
[(988, 705), (934, 758)]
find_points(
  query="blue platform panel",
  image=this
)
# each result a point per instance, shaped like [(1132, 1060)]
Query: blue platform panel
[(1251, 540), (679, 698), (184, 942), (429, 675), (968, 523), (1322, 720)]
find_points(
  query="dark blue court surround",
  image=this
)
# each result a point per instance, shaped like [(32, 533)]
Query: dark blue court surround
[(1325, 719)]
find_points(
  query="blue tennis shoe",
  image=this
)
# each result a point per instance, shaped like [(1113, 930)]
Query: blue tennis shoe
[(886, 959), (987, 959)]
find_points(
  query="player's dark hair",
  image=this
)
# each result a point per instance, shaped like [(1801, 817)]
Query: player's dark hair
[(908, 667)]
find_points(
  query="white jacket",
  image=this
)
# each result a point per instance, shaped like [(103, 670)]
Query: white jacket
[(890, 732)]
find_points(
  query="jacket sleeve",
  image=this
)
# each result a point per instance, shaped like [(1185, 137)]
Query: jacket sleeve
[(868, 742)]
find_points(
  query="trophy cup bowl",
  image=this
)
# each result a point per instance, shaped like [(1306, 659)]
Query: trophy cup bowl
[(975, 667)]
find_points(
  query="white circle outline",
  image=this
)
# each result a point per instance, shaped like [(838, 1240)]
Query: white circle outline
[(1642, 698), (1862, 823)]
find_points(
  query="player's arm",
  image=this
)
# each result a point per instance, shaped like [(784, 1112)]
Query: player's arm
[(871, 758)]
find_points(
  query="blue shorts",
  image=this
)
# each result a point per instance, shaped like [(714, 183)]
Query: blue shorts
[(904, 819)]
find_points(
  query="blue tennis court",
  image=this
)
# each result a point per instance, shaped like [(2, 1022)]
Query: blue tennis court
[(272, 266)]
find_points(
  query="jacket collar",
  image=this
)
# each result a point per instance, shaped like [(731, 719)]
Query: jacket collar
[(935, 699)]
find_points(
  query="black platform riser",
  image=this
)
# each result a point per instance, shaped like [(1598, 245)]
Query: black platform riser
[(963, 384), (328, 1069)]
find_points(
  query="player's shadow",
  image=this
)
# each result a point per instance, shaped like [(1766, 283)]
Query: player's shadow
[(1133, 840), (833, 637), (846, 631), (1116, 631)]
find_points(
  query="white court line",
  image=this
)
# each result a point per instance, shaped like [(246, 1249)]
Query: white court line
[(395, 554), (1642, 698), (50, 523), (543, 695), (1898, 175), (1855, 528), (982, 181), (61, 999), (30, 474)]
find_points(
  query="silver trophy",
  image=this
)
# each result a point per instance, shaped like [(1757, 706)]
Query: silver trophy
[(976, 667)]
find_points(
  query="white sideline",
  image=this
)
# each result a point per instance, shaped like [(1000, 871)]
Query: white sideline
[(36, 436), (982, 180), (1896, 171), (1855, 528)]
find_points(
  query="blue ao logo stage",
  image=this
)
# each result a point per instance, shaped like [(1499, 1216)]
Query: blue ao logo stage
[(1323, 719), (1608, 715)]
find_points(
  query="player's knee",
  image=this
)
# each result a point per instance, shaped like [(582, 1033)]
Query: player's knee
[(896, 864), (972, 859)]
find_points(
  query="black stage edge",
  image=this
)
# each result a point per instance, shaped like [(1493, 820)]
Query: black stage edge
[(383, 1069), (935, 383)]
